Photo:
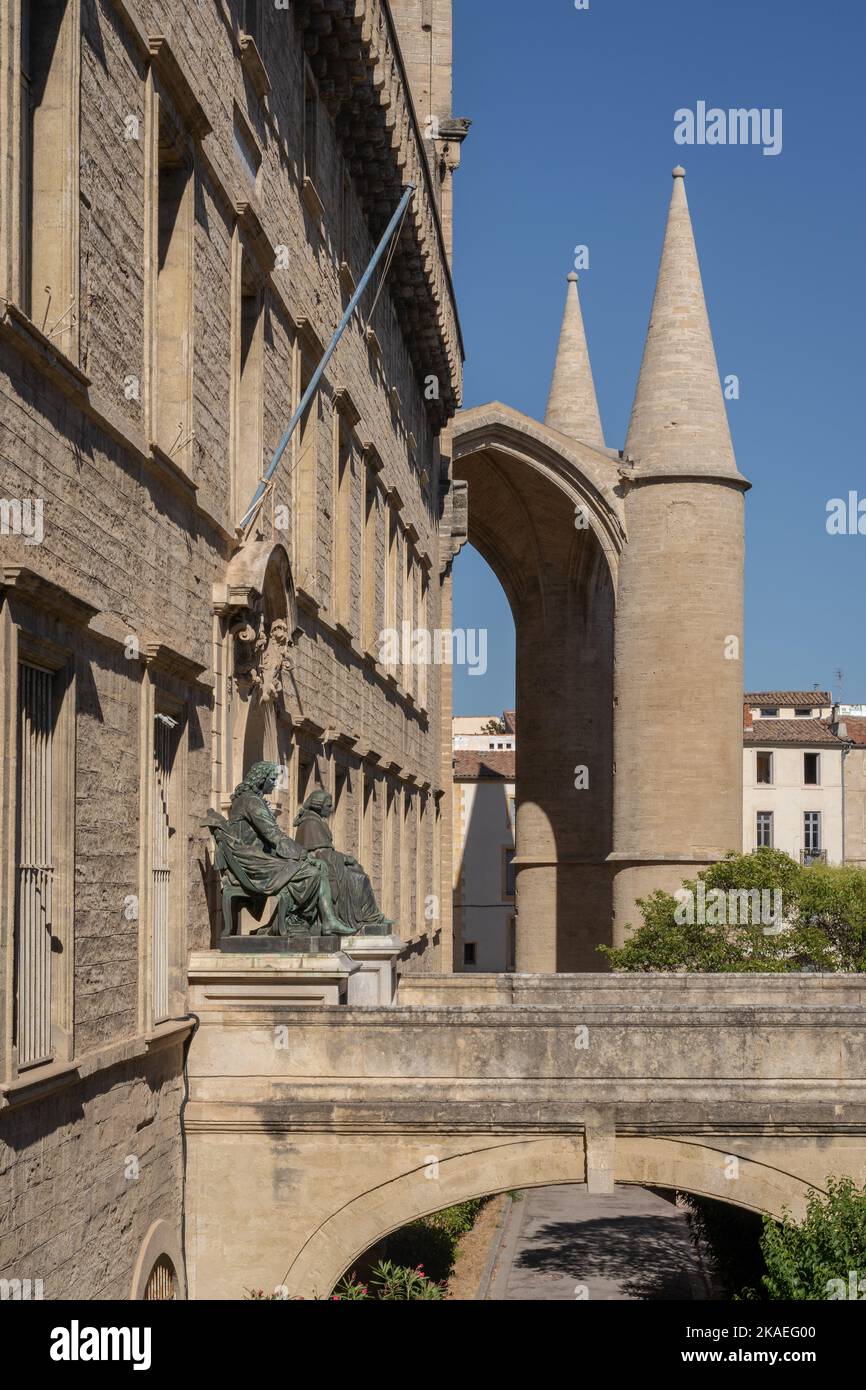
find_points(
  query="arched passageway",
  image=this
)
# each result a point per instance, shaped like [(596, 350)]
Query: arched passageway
[(544, 514), (482, 1168)]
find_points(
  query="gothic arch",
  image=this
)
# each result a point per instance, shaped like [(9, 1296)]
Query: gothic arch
[(546, 514)]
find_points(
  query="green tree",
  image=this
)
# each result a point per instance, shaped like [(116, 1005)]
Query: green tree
[(821, 925), (822, 1257)]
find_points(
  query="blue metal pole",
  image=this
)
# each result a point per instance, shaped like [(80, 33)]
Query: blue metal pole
[(317, 375)]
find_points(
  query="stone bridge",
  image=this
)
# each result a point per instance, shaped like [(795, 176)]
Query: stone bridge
[(314, 1128)]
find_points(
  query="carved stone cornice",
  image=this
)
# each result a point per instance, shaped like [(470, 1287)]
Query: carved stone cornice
[(45, 595), (172, 75), (255, 236), (169, 662), (354, 52)]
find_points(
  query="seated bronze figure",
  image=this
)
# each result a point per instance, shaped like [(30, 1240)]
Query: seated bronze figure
[(351, 890), (258, 861)]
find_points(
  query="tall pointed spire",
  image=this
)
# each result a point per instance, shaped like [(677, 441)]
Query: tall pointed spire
[(678, 420), (571, 406)]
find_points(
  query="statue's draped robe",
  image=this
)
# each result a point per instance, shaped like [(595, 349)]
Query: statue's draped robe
[(263, 859), (354, 899)]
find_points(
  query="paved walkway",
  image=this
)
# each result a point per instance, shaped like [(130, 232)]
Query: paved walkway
[(560, 1243)]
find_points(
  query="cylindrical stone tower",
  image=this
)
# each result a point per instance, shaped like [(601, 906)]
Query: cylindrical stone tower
[(679, 625)]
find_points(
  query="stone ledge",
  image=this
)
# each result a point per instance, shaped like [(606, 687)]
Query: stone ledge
[(45, 1081)]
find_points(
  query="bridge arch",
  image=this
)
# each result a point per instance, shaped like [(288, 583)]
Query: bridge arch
[(545, 514), (505, 1164)]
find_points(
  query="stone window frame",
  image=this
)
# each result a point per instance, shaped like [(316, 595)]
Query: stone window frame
[(813, 827), (816, 782), (759, 780), (251, 253), (307, 353), (168, 90), (13, 255), (506, 864), (163, 691), (160, 1244), (311, 142), (29, 633), (344, 558), (769, 824)]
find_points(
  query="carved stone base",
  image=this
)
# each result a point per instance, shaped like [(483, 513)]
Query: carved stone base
[(283, 945), (376, 981)]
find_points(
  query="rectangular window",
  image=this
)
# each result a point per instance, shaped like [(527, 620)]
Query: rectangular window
[(35, 865), (469, 953), (770, 713), (764, 768), (426, 648), (812, 832), (803, 712), (392, 571), (49, 168), (811, 769), (164, 866), (341, 578), (247, 151), (371, 519), (172, 417), (305, 477), (368, 825), (345, 251), (509, 876), (764, 830), (311, 129), (248, 353), (408, 618)]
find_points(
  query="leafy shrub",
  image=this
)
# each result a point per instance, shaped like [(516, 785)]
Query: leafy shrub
[(390, 1283), (822, 927), (759, 1259), (815, 1259)]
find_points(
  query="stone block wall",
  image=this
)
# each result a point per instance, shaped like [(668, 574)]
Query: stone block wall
[(134, 544)]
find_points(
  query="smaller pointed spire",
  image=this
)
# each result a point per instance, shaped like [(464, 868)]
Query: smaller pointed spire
[(572, 407), (678, 420)]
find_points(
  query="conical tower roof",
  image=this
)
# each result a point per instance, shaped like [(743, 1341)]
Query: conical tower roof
[(572, 407), (678, 420)]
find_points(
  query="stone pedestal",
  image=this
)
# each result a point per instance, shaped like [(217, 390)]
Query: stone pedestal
[(218, 979), (376, 957)]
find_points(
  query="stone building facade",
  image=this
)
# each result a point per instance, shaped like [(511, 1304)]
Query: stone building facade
[(190, 193)]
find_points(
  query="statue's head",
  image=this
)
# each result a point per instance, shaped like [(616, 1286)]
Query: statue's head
[(261, 777), (320, 801)]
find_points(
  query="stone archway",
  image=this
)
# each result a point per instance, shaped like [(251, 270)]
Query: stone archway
[(545, 514), (482, 1168)]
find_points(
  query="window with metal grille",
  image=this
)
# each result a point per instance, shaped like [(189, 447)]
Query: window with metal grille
[(161, 862), (34, 864), (161, 1284)]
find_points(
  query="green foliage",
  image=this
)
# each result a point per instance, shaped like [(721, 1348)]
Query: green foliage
[(759, 1259), (823, 926), (803, 1261), (456, 1221), (390, 1283), (493, 726), (422, 1243)]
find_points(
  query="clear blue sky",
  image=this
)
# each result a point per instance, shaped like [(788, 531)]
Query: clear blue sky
[(572, 143)]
